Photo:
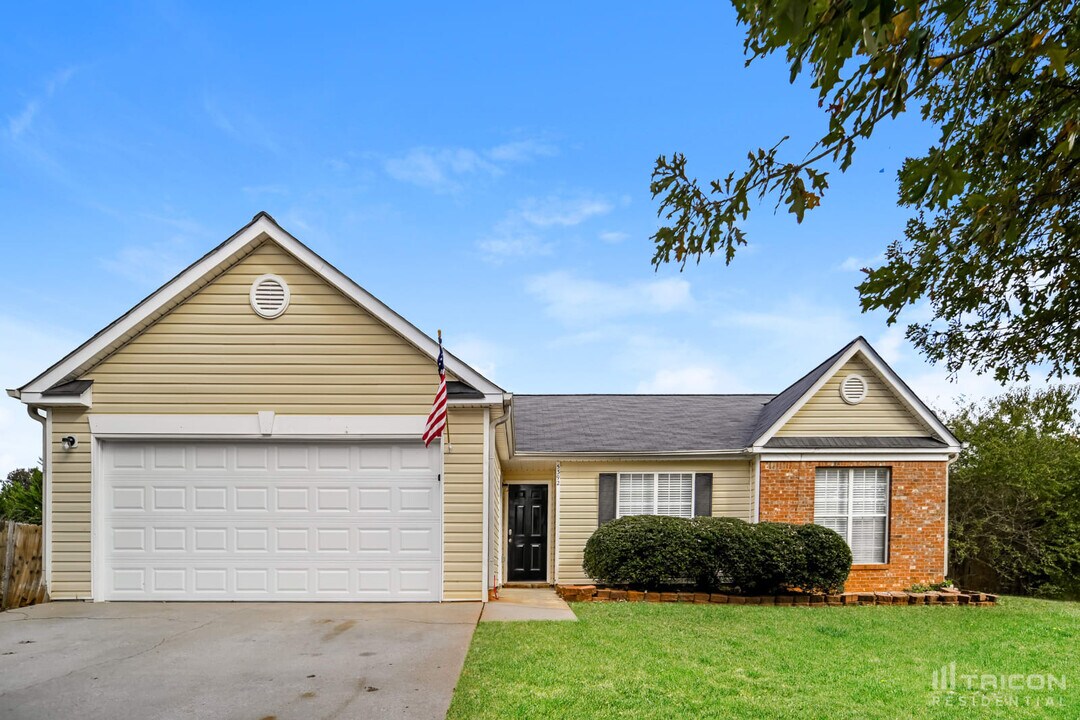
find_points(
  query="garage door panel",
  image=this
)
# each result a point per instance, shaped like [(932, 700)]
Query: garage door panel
[(366, 581), (264, 522)]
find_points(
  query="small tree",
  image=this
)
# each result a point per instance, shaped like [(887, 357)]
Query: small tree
[(20, 496), (1014, 495)]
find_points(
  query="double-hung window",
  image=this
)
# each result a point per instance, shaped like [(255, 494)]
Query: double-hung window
[(656, 494), (855, 503)]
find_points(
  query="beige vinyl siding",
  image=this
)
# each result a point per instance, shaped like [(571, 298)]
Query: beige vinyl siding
[(70, 519), (213, 355), (463, 506), (579, 483), (881, 413)]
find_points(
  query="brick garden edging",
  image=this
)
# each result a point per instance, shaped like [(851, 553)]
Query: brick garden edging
[(591, 593)]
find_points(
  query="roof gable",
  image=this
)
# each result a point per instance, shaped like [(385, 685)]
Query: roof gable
[(203, 271), (910, 416)]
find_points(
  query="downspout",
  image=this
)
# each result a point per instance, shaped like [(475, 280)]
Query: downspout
[(952, 459), (485, 501), (32, 411), (492, 458), (757, 488)]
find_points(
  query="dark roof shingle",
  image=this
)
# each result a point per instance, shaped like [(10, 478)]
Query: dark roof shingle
[(634, 423), (889, 443)]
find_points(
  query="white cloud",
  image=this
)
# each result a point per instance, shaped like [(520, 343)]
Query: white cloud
[(855, 264), (502, 247), (24, 120), (517, 234), (575, 300), (438, 169), (613, 236), (794, 328), (479, 353), (555, 210), (28, 348), (444, 169), (521, 151), (688, 379)]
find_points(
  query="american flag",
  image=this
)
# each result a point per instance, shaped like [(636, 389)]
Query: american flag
[(436, 419)]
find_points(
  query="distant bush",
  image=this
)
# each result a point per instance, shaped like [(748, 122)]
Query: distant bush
[(763, 558), (20, 496), (1014, 494), (648, 551)]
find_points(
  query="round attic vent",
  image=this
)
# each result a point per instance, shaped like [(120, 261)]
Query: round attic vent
[(853, 389), (269, 296)]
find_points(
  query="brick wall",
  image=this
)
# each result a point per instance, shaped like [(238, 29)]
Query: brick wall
[(916, 552)]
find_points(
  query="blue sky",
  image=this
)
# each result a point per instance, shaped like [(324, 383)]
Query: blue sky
[(483, 169)]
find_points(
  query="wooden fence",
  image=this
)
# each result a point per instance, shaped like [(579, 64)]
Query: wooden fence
[(22, 581)]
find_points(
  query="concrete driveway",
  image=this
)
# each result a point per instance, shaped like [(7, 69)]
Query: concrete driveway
[(231, 660)]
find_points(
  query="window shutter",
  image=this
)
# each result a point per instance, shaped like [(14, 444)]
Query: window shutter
[(606, 505), (703, 494)]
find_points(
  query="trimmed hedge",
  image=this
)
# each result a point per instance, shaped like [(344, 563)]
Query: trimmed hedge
[(649, 551), (652, 552), (828, 560)]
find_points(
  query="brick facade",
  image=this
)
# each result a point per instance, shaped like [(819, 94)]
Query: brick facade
[(916, 550)]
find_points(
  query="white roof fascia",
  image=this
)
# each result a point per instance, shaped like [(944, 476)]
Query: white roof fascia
[(84, 399)]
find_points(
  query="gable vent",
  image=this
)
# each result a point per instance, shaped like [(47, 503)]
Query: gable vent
[(269, 296), (853, 389)]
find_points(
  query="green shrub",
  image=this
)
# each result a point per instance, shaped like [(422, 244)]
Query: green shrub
[(647, 551), (728, 553), (651, 552), (20, 496), (827, 560)]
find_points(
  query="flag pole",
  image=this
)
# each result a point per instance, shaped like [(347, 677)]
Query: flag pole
[(446, 428)]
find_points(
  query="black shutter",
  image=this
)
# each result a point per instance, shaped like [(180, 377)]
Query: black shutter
[(702, 494), (606, 505)]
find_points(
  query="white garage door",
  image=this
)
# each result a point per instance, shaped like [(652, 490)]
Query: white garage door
[(270, 521)]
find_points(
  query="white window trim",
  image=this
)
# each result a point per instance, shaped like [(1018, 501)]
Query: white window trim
[(850, 504), (656, 489)]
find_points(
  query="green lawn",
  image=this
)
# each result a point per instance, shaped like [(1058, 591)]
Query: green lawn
[(623, 660)]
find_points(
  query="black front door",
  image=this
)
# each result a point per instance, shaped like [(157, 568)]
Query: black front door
[(527, 533)]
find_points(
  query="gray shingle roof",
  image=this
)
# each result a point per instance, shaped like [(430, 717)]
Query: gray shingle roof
[(458, 390), (890, 443), (634, 423), (72, 387), (786, 399), (611, 424)]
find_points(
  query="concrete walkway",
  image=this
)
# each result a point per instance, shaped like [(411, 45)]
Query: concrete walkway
[(527, 604), (116, 661)]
